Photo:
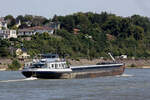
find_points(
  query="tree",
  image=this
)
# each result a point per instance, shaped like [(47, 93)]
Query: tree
[(15, 65), (21, 18), (138, 33), (38, 20), (112, 25), (10, 21), (4, 52), (68, 23)]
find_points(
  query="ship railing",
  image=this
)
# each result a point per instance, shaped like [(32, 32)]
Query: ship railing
[(35, 60), (55, 60), (28, 64)]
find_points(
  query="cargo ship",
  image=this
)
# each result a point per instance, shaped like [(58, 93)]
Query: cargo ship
[(51, 67)]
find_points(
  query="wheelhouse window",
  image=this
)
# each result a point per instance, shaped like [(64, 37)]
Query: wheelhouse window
[(60, 66), (38, 65), (56, 66), (63, 66), (53, 66)]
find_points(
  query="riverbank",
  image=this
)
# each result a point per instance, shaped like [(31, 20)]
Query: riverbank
[(4, 62), (129, 63)]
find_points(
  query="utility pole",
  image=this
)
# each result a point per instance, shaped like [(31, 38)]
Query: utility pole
[(88, 52), (135, 51)]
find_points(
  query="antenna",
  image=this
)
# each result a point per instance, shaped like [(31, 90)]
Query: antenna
[(112, 57)]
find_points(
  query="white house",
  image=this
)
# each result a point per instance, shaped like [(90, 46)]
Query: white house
[(124, 56), (18, 24), (3, 23), (34, 30), (22, 53), (54, 25), (6, 34), (27, 32)]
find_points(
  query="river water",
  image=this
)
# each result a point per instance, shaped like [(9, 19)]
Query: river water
[(134, 84)]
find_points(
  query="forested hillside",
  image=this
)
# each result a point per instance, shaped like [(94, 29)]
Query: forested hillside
[(96, 35)]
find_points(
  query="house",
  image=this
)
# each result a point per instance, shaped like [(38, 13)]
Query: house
[(28, 23), (6, 34), (26, 32), (3, 23), (76, 31), (18, 24), (124, 56), (54, 25), (22, 53), (110, 37), (33, 30), (40, 29), (26, 38)]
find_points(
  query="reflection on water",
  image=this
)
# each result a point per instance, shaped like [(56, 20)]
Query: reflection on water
[(19, 80), (134, 84), (34, 78), (124, 75)]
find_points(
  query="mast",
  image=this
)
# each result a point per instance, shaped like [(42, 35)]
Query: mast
[(112, 57)]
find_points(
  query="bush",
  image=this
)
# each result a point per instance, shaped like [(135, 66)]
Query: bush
[(133, 65), (4, 52), (15, 65)]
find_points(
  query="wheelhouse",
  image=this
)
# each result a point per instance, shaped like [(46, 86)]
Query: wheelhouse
[(57, 65), (49, 56), (49, 65)]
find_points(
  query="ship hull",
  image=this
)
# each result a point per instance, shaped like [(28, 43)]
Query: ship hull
[(45, 75), (83, 72), (98, 73)]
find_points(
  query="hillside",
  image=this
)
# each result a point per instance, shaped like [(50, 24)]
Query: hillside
[(89, 35)]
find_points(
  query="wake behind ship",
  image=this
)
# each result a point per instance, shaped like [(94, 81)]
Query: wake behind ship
[(52, 67)]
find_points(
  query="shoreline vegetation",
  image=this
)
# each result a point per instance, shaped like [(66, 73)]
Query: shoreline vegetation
[(15, 65), (79, 35)]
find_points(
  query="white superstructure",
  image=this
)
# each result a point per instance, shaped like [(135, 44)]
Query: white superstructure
[(49, 62), (54, 66)]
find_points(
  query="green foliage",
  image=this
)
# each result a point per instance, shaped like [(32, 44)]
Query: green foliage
[(108, 32), (4, 52), (128, 36), (15, 65), (10, 20), (133, 66)]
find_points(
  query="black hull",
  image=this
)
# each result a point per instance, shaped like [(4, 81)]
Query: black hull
[(44, 75), (78, 73)]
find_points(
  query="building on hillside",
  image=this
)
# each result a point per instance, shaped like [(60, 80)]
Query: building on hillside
[(33, 30), (123, 56), (18, 24), (53, 25), (3, 23), (26, 32), (6, 34), (76, 31), (28, 23), (40, 29), (22, 53), (26, 38)]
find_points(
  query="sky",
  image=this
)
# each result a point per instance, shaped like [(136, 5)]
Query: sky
[(49, 8)]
